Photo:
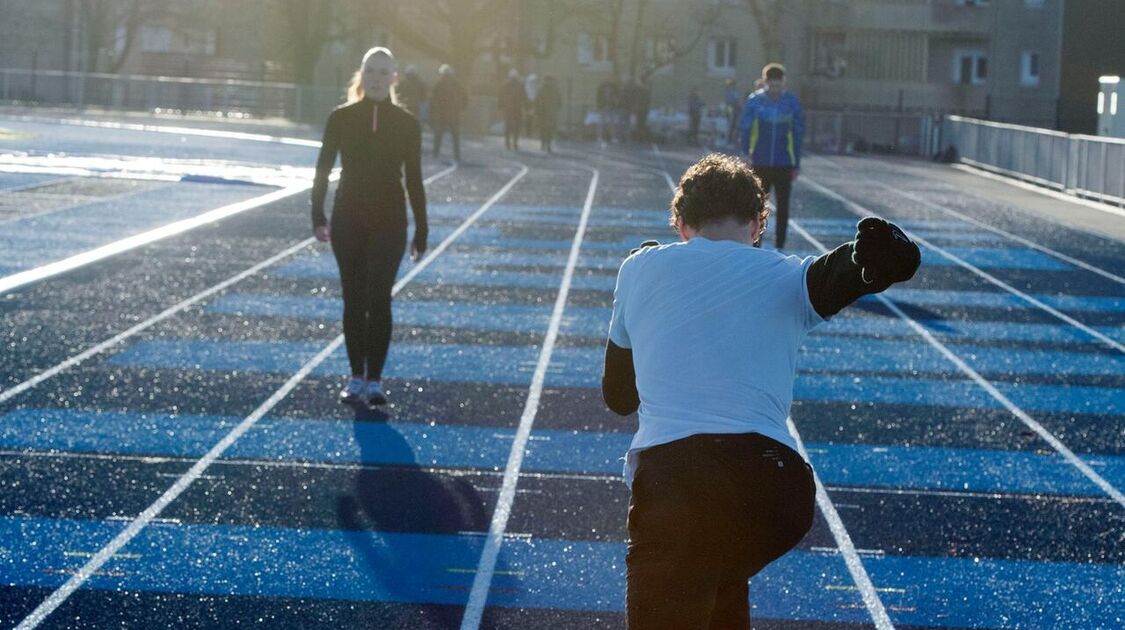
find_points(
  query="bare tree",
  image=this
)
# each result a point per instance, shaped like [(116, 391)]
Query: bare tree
[(767, 16), (666, 48), (309, 26), (109, 29)]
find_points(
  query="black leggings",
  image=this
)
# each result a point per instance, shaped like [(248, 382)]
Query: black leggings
[(368, 261), (707, 512), (780, 177)]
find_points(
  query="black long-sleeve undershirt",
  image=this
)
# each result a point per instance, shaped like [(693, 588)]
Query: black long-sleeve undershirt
[(833, 280), (373, 163)]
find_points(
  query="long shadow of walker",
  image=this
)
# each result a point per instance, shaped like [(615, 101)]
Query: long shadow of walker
[(393, 508)]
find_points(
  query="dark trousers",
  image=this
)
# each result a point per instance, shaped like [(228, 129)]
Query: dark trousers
[(781, 178), (512, 124), (708, 512), (440, 128), (368, 260)]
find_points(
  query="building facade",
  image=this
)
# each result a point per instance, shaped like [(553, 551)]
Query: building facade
[(997, 59)]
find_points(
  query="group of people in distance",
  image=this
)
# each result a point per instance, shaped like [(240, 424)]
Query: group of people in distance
[(531, 104), (718, 486)]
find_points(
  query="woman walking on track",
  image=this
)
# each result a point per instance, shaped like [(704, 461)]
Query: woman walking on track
[(376, 141)]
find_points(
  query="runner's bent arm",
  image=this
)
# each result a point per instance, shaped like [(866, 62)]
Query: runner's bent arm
[(880, 256), (619, 380), (415, 190), (324, 163)]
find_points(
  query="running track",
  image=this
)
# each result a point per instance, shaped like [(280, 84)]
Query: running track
[(171, 453)]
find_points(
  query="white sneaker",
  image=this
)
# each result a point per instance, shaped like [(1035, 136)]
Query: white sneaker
[(375, 394), (354, 390)]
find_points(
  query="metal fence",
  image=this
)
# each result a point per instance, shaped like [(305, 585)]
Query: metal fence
[(1088, 166), (259, 99), (871, 132)]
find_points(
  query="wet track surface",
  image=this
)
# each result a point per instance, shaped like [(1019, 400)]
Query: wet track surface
[(969, 432)]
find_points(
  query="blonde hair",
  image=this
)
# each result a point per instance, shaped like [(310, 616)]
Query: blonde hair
[(355, 85)]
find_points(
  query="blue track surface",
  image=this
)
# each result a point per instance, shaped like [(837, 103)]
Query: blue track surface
[(324, 516)]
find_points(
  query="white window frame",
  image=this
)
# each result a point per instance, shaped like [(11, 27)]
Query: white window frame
[(722, 55), (1028, 78), (977, 55)]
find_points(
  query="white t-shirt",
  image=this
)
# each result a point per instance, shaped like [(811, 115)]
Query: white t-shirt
[(714, 327)]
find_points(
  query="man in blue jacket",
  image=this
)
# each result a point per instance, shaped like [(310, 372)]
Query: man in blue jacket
[(771, 130)]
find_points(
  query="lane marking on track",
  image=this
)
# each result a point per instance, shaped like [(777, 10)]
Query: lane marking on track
[(981, 224), (854, 563), (987, 386), (168, 312), (170, 129), (139, 240), (153, 511), (859, 210), (486, 568)]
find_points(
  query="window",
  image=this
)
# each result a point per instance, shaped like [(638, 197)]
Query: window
[(1029, 68), (721, 54), (1033, 4), (973, 3), (659, 53), (970, 67), (593, 50), (156, 39)]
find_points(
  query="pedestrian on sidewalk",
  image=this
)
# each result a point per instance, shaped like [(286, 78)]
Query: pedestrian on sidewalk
[(703, 344), (377, 141)]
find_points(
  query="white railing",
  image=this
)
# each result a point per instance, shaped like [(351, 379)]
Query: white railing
[(259, 99), (848, 132), (1087, 166)]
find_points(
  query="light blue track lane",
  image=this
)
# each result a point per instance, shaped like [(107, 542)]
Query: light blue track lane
[(588, 452), (555, 574), (37, 240)]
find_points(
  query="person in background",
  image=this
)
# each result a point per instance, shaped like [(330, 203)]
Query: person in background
[(378, 143), (447, 102), (732, 101), (641, 102), (609, 93), (512, 102), (703, 345), (410, 91), (695, 115), (548, 103), (771, 130), (531, 89)]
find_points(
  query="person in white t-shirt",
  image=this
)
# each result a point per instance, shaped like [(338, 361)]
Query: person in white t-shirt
[(703, 342)]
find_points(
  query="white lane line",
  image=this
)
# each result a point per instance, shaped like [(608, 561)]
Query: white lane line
[(107, 552), (182, 131), (844, 543), (138, 240), (852, 560), (981, 224), (859, 210), (168, 312), (987, 386), (478, 596)]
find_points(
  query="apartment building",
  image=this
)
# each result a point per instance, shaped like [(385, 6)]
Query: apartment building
[(998, 59)]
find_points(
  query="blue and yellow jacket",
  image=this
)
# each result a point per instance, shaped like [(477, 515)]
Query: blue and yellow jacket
[(771, 132)]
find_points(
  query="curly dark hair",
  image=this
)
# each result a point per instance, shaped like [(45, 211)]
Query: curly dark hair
[(716, 187)]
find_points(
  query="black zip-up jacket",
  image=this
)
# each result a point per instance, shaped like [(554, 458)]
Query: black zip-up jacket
[(370, 192)]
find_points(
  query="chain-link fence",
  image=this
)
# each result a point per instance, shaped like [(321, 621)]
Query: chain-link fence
[(1089, 166)]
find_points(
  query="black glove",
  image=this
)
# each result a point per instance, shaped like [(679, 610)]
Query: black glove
[(642, 246), (884, 252)]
